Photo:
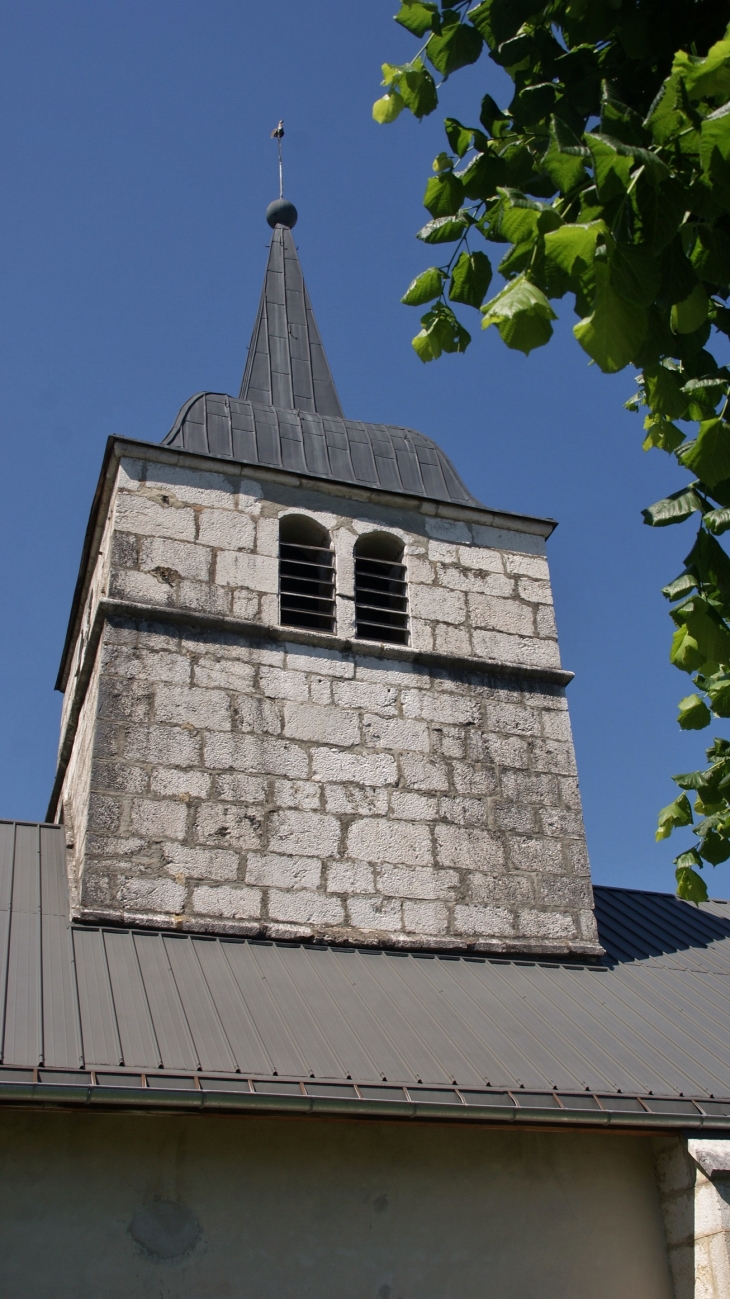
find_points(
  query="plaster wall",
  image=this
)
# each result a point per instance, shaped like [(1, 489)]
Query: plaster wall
[(168, 1207), (251, 783)]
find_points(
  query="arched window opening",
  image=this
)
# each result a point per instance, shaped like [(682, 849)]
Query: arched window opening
[(306, 575), (381, 595)]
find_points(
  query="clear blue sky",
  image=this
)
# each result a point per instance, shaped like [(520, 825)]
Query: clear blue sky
[(136, 167)]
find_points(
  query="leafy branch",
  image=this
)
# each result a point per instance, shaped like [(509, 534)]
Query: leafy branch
[(608, 178)]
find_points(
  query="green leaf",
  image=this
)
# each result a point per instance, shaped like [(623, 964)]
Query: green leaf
[(635, 274), (659, 210), (566, 171), (418, 89), (714, 847), (444, 230), (694, 714), (517, 217), (703, 396), (665, 117), (418, 16), (718, 521), (685, 652), (572, 248), (673, 509), (425, 287), (664, 394), (709, 456), (710, 256), (705, 77), (680, 587), (440, 332), (388, 108), (715, 154), (443, 162), (674, 817), (678, 274), (522, 315), (718, 689), (533, 104), (490, 116), (620, 121), (515, 54), (611, 167), (703, 781), (662, 434), (709, 563), (483, 176), (459, 137), (687, 316), (415, 85), (720, 492), (470, 279), (613, 333), (500, 20), (456, 46), (690, 886), (702, 638), (444, 195)]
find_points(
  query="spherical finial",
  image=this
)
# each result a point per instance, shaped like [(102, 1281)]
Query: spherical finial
[(281, 213)]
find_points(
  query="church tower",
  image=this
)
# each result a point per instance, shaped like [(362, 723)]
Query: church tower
[(312, 687)]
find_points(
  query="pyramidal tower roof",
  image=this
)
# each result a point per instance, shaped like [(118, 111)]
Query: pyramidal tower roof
[(288, 415), (287, 367)]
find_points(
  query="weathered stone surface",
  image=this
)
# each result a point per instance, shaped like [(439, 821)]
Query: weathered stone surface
[(322, 789)]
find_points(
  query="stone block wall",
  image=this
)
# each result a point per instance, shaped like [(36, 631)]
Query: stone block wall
[(208, 542), (262, 782)]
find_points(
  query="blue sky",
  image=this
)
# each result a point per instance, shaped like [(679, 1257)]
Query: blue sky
[(137, 164)]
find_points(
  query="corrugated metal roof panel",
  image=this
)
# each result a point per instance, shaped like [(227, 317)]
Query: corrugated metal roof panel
[(24, 1015), (136, 1030), (653, 1020), (99, 1029)]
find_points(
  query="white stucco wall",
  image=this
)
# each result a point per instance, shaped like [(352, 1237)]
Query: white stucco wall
[(312, 1209)]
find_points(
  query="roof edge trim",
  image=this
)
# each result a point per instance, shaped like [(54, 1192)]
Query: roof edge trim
[(83, 1095), (507, 519)]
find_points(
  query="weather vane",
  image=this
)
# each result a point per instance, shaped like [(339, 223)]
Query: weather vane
[(281, 212), (278, 135)]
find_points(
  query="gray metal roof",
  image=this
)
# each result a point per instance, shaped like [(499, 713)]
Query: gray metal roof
[(321, 446), (647, 1033), (288, 415), (286, 365)]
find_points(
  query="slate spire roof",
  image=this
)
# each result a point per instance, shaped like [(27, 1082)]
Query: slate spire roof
[(287, 367), (288, 415)]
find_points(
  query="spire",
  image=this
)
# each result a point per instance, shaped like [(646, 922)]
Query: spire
[(286, 365)]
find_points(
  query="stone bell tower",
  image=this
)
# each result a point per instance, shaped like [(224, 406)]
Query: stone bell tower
[(312, 687)]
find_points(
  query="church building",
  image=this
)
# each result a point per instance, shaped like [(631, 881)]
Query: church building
[(304, 986)]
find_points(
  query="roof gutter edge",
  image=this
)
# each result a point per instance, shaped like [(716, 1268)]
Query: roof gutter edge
[(40, 1095)]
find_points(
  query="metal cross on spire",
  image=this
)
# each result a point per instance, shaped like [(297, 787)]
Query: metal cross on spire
[(278, 135)]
